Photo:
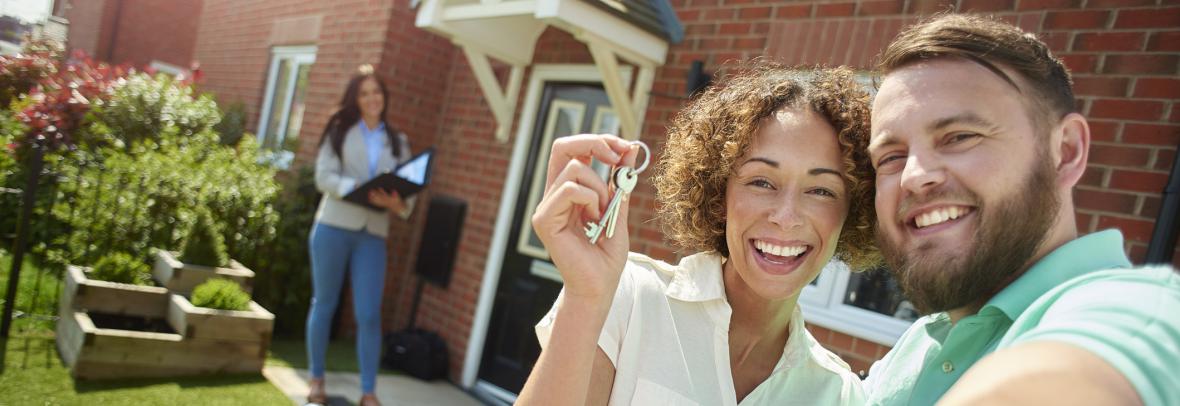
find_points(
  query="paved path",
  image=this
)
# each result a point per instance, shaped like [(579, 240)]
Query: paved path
[(393, 390)]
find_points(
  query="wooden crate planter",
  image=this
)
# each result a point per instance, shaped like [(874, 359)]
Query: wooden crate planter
[(82, 293), (99, 353), (248, 331), (181, 278)]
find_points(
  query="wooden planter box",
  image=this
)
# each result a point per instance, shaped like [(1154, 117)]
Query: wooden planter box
[(82, 293), (181, 278), (99, 353), (247, 332)]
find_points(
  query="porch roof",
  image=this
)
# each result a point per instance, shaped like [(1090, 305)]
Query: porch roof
[(636, 31)]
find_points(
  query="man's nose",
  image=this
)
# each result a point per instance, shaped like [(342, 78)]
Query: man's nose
[(922, 173)]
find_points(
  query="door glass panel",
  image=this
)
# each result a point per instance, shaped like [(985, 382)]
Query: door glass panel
[(565, 118)]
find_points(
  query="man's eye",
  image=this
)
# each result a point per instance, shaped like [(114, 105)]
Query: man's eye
[(960, 137), (888, 158)]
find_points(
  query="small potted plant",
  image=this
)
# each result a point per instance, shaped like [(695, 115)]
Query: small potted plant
[(220, 312), (203, 256)]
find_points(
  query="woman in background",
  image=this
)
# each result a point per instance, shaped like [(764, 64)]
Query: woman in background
[(357, 145)]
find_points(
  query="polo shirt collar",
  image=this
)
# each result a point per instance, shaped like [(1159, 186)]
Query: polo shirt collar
[(697, 278), (1093, 252)]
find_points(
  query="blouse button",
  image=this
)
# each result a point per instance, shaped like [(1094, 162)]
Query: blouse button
[(948, 367)]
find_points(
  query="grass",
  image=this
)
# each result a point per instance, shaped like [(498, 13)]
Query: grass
[(341, 355), (32, 373), (36, 295)]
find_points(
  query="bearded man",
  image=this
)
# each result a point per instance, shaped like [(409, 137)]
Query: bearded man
[(977, 145)]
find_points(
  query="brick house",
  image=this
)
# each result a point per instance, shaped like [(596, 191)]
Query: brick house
[(288, 62)]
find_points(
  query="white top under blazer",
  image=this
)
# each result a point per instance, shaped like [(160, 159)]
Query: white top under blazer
[(335, 179)]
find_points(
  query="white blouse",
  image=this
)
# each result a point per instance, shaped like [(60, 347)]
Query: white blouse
[(667, 335)]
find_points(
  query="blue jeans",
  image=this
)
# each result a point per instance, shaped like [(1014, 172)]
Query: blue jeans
[(331, 250)]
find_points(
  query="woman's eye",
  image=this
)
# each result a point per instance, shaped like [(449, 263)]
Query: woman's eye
[(824, 192), (761, 183)]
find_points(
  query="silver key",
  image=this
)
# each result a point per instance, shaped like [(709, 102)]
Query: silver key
[(624, 178)]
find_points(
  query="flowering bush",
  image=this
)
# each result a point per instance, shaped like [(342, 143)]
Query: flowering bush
[(67, 90), (19, 74), (144, 107)]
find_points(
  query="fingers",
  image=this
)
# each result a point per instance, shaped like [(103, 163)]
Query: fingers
[(580, 173), (554, 213), (605, 147)]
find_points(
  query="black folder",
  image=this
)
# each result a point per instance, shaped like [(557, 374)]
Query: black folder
[(407, 179)]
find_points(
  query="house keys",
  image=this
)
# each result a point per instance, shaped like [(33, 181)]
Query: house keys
[(624, 179)]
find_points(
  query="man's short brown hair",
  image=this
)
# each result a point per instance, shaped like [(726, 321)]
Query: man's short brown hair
[(1044, 80)]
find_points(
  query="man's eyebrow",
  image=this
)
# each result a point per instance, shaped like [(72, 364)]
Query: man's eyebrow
[(962, 118), (968, 118)]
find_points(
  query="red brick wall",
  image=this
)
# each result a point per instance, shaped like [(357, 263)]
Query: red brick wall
[(1124, 56), (234, 45), (156, 30), (135, 31), (87, 22)]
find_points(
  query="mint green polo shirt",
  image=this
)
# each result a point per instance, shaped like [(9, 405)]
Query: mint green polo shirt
[(1084, 293)]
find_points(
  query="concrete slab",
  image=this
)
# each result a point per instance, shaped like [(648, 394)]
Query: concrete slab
[(393, 390)]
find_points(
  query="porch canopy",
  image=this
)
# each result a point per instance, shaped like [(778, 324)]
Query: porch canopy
[(636, 31)]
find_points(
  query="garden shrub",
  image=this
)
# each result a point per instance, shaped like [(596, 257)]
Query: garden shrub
[(143, 107), (204, 244), (121, 267), (232, 126), (282, 281), (223, 294)]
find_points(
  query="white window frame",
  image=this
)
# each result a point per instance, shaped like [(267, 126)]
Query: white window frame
[(823, 305), (300, 55)]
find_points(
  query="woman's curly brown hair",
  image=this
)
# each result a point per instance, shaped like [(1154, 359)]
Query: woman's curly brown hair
[(708, 137)]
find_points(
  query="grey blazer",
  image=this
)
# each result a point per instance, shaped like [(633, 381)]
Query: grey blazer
[(336, 179)]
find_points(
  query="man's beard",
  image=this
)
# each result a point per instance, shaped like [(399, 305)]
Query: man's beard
[(1007, 237)]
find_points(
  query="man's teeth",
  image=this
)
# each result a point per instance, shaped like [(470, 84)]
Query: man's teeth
[(939, 216), (779, 250)]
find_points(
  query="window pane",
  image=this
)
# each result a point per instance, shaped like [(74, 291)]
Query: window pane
[(278, 96), (877, 291), (295, 119)]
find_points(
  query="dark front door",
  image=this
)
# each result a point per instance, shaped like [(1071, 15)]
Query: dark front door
[(528, 281)]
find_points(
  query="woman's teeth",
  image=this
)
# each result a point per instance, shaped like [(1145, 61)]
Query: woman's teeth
[(939, 216), (789, 251)]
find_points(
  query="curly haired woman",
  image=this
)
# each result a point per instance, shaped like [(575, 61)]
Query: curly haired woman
[(764, 176)]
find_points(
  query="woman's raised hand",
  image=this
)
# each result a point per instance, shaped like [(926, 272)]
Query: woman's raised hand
[(575, 195)]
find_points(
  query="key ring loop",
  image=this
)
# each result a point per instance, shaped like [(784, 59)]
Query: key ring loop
[(646, 156)]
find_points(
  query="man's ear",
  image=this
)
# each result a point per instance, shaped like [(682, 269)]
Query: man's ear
[(1071, 149)]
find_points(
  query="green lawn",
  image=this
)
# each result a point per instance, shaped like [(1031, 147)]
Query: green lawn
[(36, 295), (341, 355), (33, 374)]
